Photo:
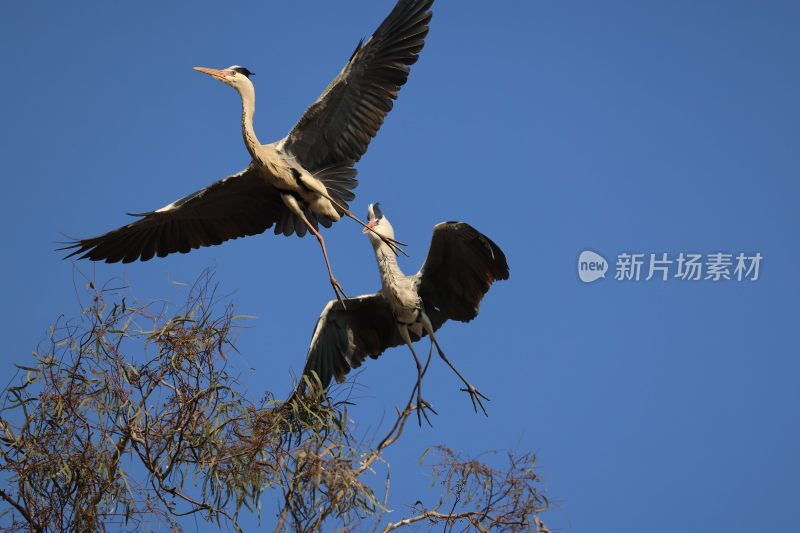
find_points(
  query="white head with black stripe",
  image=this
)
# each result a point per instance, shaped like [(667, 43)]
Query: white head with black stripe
[(377, 222), (234, 76)]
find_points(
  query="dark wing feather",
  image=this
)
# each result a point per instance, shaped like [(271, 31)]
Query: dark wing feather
[(236, 206), (343, 338), (462, 264), (339, 126)]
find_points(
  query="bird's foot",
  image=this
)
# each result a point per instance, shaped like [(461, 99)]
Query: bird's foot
[(422, 409), (395, 246), (475, 395), (339, 291)]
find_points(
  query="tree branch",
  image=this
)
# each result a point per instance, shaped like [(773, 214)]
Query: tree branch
[(20, 509)]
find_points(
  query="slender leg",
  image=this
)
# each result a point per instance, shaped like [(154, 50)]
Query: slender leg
[(337, 287), (392, 243), (422, 405), (474, 394)]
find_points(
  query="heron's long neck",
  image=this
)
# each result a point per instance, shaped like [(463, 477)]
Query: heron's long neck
[(248, 95), (387, 264)]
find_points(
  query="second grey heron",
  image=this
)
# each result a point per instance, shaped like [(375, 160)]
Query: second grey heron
[(462, 264)]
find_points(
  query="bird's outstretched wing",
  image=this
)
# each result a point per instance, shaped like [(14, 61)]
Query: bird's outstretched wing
[(339, 126), (343, 338), (462, 264), (236, 206)]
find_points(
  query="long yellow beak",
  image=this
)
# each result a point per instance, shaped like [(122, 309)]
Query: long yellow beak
[(219, 74)]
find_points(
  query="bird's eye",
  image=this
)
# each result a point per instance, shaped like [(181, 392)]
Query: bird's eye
[(243, 71)]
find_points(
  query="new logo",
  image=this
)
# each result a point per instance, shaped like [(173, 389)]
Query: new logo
[(591, 266)]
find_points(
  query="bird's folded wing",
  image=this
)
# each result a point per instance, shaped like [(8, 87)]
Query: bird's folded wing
[(236, 206), (462, 264), (343, 338), (339, 126)]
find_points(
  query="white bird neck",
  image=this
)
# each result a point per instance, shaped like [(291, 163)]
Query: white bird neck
[(248, 94), (387, 264)]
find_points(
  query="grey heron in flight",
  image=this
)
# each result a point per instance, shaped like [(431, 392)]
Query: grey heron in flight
[(297, 183), (462, 264)]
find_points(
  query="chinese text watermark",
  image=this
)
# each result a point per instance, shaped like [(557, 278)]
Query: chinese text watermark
[(683, 266)]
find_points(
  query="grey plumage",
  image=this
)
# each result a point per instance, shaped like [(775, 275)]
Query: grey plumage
[(296, 183), (461, 265), (340, 125), (233, 207)]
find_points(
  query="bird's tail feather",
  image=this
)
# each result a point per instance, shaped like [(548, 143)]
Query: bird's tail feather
[(339, 180)]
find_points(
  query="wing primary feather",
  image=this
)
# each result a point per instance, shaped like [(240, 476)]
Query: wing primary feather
[(343, 338), (249, 204), (339, 126), (461, 266)]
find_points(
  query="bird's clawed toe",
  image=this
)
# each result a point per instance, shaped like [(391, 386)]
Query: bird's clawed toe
[(422, 409), (339, 291), (475, 395), (422, 406), (395, 246)]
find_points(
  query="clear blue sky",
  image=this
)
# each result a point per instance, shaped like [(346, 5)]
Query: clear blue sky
[(553, 127)]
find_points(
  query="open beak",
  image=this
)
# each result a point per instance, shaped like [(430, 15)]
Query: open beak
[(215, 73), (370, 224)]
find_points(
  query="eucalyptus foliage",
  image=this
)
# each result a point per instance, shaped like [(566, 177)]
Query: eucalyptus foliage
[(130, 417)]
